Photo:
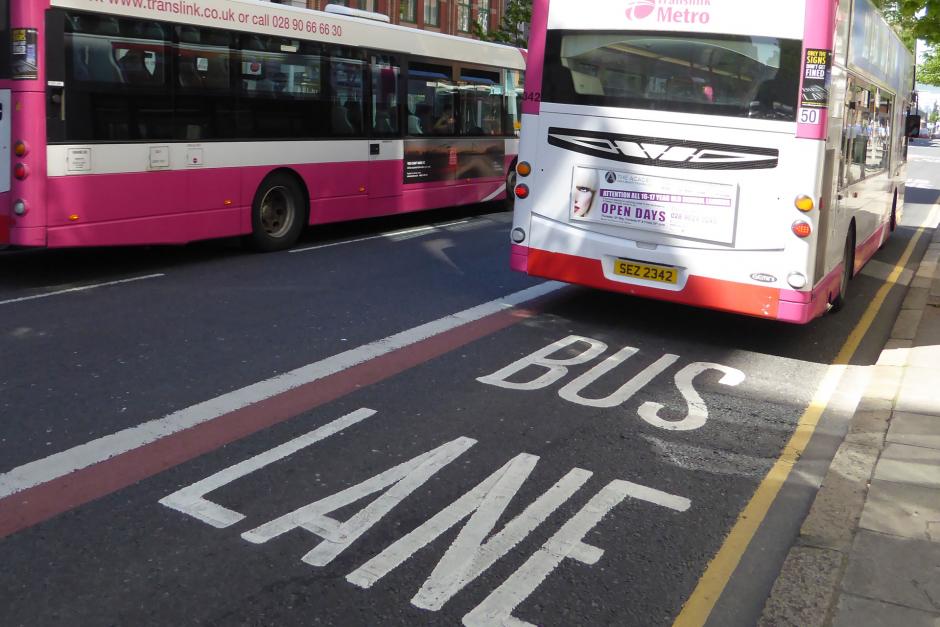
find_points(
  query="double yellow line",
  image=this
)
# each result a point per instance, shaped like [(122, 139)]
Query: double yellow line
[(697, 609)]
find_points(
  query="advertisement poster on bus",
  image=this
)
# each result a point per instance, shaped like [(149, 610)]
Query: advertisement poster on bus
[(690, 209), (817, 67), (436, 160)]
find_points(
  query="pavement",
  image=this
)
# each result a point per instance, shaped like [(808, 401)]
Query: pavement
[(868, 554)]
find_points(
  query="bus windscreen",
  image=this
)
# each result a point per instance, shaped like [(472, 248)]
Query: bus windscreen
[(728, 75)]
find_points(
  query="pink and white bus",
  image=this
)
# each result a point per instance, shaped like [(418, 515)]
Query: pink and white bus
[(741, 155), (143, 121)]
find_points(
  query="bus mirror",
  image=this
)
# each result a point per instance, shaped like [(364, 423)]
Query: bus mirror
[(912, 126)]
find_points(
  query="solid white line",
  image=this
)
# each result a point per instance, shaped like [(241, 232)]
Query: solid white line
[(499, 190), (389, 235), (84, 288), (59, 464)]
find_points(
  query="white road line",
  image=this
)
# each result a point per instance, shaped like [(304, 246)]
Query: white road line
[(59, 464), (84, 288), (390, 235), (499, 190)]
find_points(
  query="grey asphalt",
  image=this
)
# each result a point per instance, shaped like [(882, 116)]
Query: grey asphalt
[(79, 366)]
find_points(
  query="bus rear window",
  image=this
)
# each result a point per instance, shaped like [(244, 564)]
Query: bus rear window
[(753, 77)]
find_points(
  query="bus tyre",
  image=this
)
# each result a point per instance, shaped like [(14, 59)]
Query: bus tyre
[(277, 213), (848, 266), (511, 188)]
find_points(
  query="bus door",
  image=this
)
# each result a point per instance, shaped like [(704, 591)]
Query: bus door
[(385, 144)]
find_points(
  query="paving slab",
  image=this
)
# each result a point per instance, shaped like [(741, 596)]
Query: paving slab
[(905, 328), (885, 383), (803, 593), (903, 510), (915, 430), (895, 570), (868, 428), (838, 505), (854, 611), (919, 391), (909, 464), (895, 353), (916, 299)]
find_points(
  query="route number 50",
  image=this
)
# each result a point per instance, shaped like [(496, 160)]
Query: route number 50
[(809, 116)]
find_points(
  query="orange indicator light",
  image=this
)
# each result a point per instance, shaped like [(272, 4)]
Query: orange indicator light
[(73, 217), (804, 203)]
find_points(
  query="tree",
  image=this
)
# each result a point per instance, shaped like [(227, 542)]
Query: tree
[(514, 28), (928, 72)]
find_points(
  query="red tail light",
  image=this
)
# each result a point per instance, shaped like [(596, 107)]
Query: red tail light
[(522, 191), (20, 171), (802, 229)]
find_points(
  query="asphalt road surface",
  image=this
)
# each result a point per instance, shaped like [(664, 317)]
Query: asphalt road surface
[(386, 425)]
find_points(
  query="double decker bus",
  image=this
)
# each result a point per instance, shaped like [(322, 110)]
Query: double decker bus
[(144, 121), (740, 155)]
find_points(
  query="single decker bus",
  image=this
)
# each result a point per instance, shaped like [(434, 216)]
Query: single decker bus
[(145, 122), (740, 155)]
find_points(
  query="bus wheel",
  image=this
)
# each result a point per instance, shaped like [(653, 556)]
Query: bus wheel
[(511, 188), (277, 213), (848, 266)]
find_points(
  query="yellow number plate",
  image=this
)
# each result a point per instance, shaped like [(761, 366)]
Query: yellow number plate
[(649, 272)]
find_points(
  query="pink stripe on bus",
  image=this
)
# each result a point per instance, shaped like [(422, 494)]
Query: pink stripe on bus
[(536, 62), (819, 34), (179, 206)]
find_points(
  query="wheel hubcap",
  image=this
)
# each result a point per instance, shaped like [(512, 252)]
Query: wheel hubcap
[(277, 212)]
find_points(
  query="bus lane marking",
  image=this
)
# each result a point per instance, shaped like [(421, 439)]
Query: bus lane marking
[(556, 368), (191, 499), (83, 288), (41, 489), (475, 549)]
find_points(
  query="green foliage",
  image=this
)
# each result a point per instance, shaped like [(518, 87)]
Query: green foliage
[(915, 19), (928, 72), (514, 28)]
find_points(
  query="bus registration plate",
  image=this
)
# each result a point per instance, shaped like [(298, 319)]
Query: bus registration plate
[(647, 271)]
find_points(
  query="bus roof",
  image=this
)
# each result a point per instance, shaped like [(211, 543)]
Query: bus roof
[(256, 16)]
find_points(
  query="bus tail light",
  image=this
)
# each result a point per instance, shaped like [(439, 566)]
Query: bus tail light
[(524, 168), (19, 207), (20, 171), (804, 203), (522, 191), (802, 229), (20, 149)]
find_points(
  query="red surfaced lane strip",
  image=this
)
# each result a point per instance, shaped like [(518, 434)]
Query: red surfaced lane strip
[(32, 506)]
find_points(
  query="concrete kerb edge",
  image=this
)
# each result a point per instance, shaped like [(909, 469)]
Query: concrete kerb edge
[(787, 603)]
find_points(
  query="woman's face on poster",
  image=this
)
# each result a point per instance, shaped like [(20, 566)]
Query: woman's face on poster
[(583, 197)]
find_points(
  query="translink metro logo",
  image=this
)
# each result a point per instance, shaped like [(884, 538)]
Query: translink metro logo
[(640, 9), (670, 11)]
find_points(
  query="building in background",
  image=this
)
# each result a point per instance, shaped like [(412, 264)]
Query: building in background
[(453, 17)]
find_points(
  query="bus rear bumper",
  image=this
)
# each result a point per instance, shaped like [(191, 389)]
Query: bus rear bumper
[(752, 300)]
